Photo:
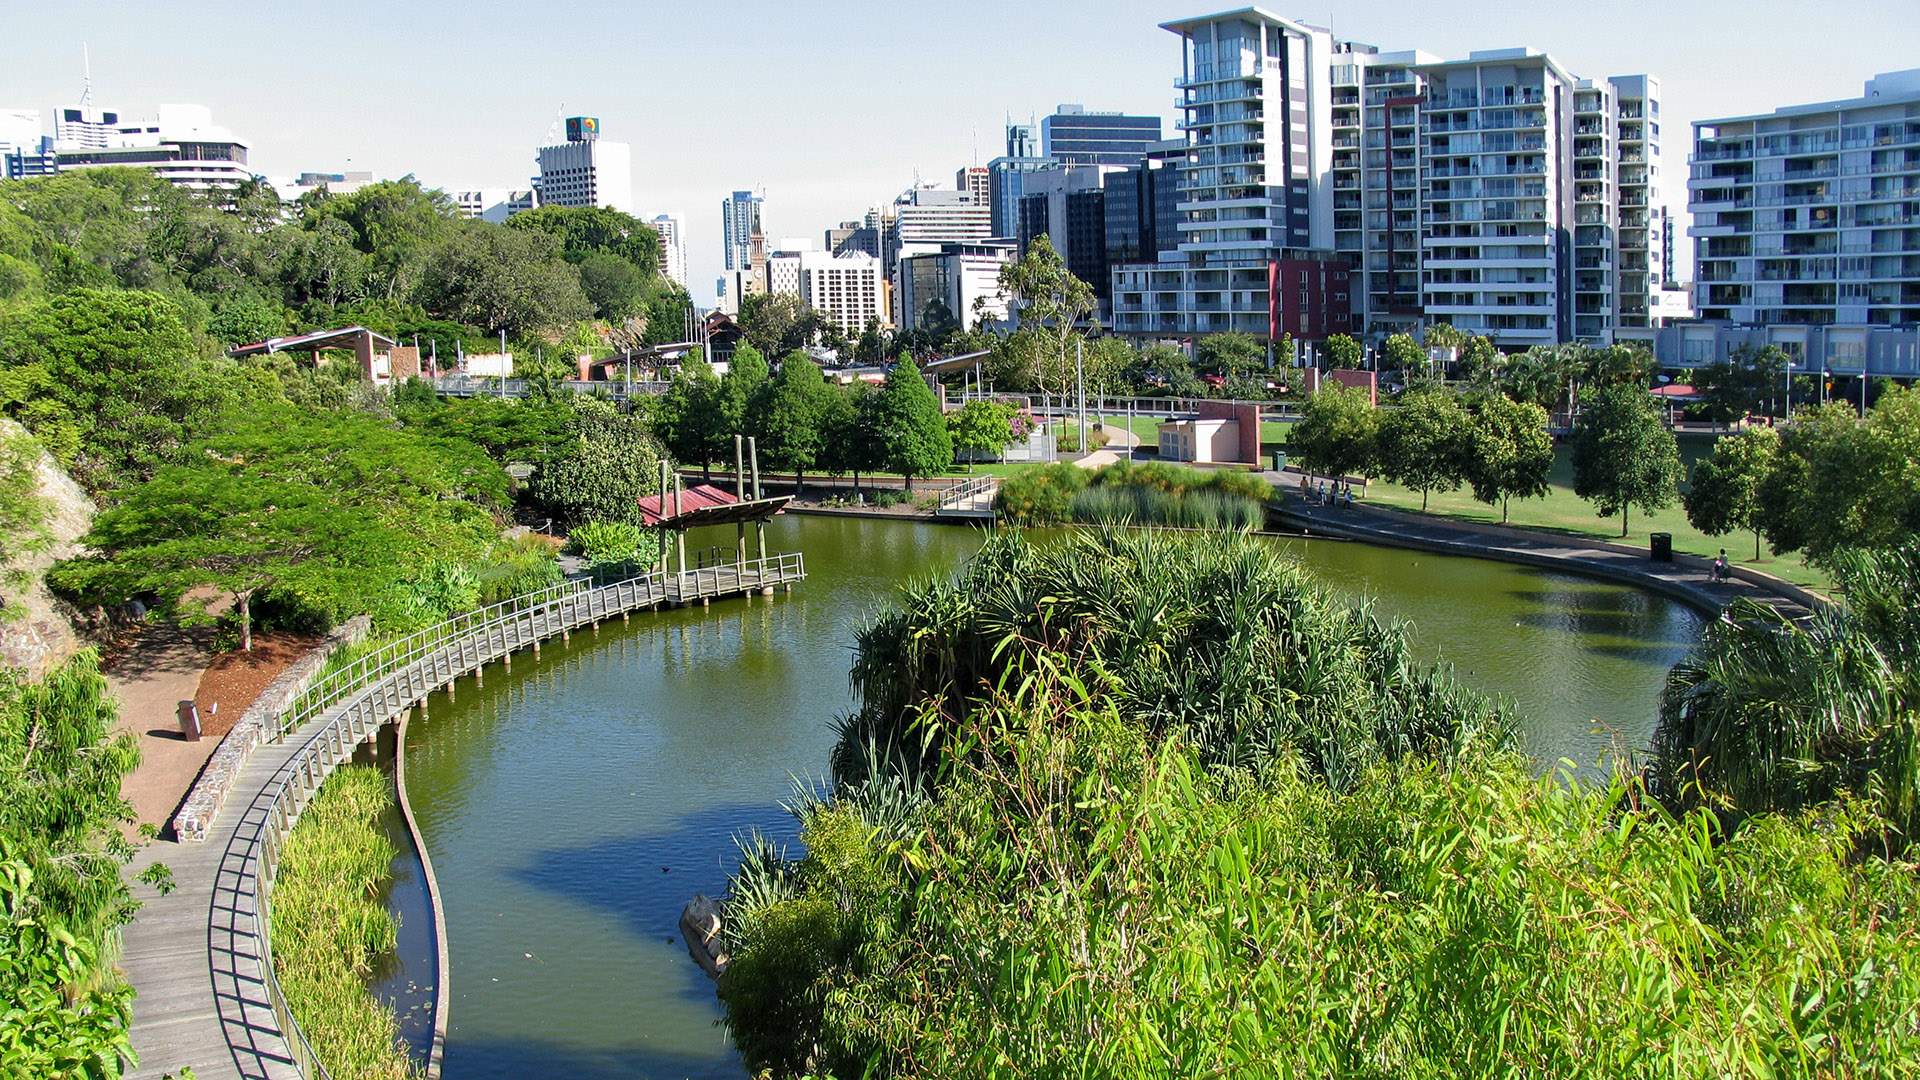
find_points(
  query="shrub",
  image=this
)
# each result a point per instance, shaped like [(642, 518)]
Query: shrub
[(1041, 496), (603, 542)]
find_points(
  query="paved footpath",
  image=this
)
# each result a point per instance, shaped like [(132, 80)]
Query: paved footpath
[(1686, 578)]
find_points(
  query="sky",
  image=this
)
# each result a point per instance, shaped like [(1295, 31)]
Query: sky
[(829, 106)]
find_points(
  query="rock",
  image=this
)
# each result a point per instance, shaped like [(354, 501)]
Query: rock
[(700, 925), (38, 631)]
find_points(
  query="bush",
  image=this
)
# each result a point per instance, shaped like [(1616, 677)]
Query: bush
[(1068, 440), (1041, 496), (604, 542), (1181, 813)]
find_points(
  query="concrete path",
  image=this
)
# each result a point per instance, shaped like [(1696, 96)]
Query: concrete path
[(1686, 578), (150, 679)]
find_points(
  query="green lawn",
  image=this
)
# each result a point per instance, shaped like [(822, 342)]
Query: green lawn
[(1562, 511)]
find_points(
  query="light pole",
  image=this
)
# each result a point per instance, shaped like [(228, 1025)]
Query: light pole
[(1080, 381)]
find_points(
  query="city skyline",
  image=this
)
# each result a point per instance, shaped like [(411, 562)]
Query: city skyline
[(825, 150)]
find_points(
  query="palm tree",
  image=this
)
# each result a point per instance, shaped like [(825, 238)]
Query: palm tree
[(1767, 714)]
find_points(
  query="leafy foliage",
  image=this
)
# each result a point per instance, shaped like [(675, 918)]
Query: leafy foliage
[(981, 428), (1766, 714), (1839, 483), (607, 465), (1724, 491), (1509, 451), (331, 927), (1338, 432), (909, 425), (1623, 456), (1425, 443)]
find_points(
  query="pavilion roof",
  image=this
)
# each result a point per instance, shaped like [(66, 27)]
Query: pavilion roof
[(706, 504), (341, 337)]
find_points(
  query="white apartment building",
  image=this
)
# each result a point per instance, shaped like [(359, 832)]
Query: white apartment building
[(493, 204), (1377, 224), (845, 288), (1254, 98), (585, 170), (25, 149), (673, 248), (181, 144), (1810, 215)]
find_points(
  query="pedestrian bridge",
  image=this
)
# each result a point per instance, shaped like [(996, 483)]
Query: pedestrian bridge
[(199, 957)]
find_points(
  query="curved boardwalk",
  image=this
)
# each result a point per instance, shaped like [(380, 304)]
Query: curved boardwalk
[(199, 958), (1686, 578)]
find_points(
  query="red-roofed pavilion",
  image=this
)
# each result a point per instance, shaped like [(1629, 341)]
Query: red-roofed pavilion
[(678, 508)]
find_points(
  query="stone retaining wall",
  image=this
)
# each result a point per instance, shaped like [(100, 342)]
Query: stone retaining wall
[(216, 779)]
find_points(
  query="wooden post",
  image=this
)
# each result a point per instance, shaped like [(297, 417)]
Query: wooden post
[(759, 526), (739, 494), (663, 515)]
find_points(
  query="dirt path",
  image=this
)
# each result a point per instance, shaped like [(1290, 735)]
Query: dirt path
[(150, 678)]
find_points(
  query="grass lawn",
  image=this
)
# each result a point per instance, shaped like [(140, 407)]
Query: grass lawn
[(1562, 511)]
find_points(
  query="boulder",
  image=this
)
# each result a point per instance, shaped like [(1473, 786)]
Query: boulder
[(700, 925)]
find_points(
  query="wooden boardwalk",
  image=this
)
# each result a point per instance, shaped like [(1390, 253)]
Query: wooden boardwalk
[(198, 958)]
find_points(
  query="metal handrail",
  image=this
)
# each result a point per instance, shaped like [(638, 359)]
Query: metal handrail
[(391, 678), (959, 493)]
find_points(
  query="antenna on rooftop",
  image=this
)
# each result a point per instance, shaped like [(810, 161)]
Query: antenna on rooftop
[(86, 76), (553, 129)]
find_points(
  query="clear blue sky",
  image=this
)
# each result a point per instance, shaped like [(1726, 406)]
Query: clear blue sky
[(830, 105)]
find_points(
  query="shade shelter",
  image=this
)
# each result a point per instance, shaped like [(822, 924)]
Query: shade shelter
[(678, 508), (373, 351)]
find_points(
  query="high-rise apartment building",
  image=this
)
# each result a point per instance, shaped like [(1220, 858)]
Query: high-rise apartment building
[(1255, 208), (1499, 193), (585, 170), (180, 143), (925, 218), (1071, 135), (673, 247), (1810, 215), (1143, 207), (739, 221), (846, 288)]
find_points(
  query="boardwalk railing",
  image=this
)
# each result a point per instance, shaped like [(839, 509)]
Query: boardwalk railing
[(960, 497), (372, 689)]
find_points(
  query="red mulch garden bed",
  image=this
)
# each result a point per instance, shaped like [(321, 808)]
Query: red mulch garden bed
[(235, 679)]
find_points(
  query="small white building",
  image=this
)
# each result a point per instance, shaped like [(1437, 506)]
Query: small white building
[(1200, 440), (494, 204)]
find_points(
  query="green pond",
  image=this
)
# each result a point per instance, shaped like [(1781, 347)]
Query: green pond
[(573, 806)]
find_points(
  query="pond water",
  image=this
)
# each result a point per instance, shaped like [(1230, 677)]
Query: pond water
[(573, 806)]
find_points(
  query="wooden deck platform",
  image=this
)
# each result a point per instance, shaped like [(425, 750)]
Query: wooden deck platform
[(198, 958)]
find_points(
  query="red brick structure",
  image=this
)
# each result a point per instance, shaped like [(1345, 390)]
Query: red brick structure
[(1244, 413)]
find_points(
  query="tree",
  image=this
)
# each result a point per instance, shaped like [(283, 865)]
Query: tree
[(1724, 491), (1444, 336), (1342, 351), (983, 427), (910, 425), (503, 279), (615, 287), (851, 426), (1479, 361), (397, 225), (106, 380), (586, 231), (1338, 433), (793, 434), (1841, 483), (742, 395), (1732, 389), (689, 414), (607, 465), (1623, 456), (1052, 302), (246, 319), (1425, 442), (1616, 364), (1231, 353), (1403, 354), (778, 323), (1509, 450)]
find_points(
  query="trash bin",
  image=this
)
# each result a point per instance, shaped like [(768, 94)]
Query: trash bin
[(1662, 546), (189, 721), (1279, 460)]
